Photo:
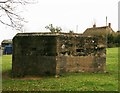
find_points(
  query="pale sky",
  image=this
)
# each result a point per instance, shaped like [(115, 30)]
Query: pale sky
[(66, 14)]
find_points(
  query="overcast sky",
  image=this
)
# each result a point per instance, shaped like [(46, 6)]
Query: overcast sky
[(68, 14)]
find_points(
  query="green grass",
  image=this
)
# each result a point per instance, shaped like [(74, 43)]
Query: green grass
[(67, 82)]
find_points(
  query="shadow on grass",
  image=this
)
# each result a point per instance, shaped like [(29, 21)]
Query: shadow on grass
[(7, 74)]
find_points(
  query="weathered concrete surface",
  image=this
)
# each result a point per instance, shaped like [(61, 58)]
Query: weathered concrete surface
[(80, 64), (34, 55), (50, 54)]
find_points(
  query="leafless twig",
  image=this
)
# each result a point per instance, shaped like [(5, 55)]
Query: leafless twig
[(7, 9)]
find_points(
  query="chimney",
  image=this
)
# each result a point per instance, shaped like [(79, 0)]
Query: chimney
[(109, 25), (94, 25)]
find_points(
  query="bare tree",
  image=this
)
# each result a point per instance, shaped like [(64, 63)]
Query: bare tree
[(58, 29), (71, 31), (9, 15), (53, 29)]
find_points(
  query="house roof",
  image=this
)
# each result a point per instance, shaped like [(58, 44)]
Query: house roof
[(7, 41), (98, 31)]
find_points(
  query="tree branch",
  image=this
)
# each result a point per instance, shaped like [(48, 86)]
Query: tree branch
[(4, 1), (8, 8)]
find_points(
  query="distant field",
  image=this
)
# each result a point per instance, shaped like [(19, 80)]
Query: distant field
[(67, 82)]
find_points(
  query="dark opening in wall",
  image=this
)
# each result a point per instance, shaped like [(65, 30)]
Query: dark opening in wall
[(34, 49), (79, 50), (65, 53)]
